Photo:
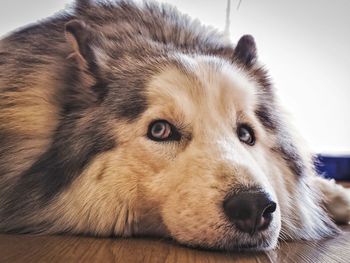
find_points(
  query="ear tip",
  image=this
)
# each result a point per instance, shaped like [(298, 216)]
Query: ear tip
[(74, 26), (247, 40), (248, 37)]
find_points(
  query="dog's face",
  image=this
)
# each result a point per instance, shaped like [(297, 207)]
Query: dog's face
[(195, 164), (200, 144)]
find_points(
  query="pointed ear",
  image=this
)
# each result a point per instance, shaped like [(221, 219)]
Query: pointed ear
[(245, 51), (78, 35)]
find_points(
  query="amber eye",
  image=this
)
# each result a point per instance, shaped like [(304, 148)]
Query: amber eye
[(246, 134), (161, 130)]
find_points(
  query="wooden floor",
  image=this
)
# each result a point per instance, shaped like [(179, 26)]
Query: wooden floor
[(25, 248), (16, 248)]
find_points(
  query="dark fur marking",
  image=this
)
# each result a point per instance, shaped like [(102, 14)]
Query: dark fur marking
[(270, 118), (261, 75), (76, 97), (266, 117), (132, 104), (72, 150), (292, 157)]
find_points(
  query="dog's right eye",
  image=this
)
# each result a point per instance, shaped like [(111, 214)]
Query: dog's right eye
[(162, 130), (246, 134)]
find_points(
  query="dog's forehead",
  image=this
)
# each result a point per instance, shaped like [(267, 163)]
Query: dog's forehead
[(205, 84)]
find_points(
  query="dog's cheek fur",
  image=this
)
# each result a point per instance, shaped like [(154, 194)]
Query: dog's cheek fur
[(189, 198), (108, 198), (303, 215)]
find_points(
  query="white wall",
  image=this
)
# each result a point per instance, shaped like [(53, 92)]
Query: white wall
[(304, 44)]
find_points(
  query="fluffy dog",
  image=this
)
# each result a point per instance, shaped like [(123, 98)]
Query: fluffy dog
[(125, 119)]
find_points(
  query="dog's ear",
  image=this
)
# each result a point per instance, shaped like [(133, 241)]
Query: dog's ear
[(79, 35), (245, 51), (91, 85)]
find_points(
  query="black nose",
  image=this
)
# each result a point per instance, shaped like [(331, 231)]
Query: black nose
[(250, 211)]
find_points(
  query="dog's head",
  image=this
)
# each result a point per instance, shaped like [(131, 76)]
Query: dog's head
[(157, 138), (201, 150)]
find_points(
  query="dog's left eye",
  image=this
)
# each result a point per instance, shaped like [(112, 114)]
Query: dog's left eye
[(161, 130), (246, 134)]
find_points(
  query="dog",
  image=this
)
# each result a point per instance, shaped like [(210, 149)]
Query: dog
[(131, 119)]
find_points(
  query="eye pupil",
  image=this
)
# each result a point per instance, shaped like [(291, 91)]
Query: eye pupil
[(246, 135), (158, 129), (162, 130)]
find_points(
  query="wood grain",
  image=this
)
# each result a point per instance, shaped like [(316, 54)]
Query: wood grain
[(26, 248)]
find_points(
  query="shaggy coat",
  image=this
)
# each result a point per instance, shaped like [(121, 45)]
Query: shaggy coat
[(78, 94)]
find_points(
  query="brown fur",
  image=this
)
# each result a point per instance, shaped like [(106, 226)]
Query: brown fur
[(77, 95)]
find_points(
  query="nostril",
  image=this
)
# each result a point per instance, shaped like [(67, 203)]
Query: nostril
[(271, 208), (264, 221)]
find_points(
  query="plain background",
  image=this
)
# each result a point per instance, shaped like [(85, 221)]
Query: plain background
[(304, 44)]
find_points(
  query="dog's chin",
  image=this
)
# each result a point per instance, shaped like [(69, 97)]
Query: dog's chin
[(234, 246), (255, 247), (251, 244)]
